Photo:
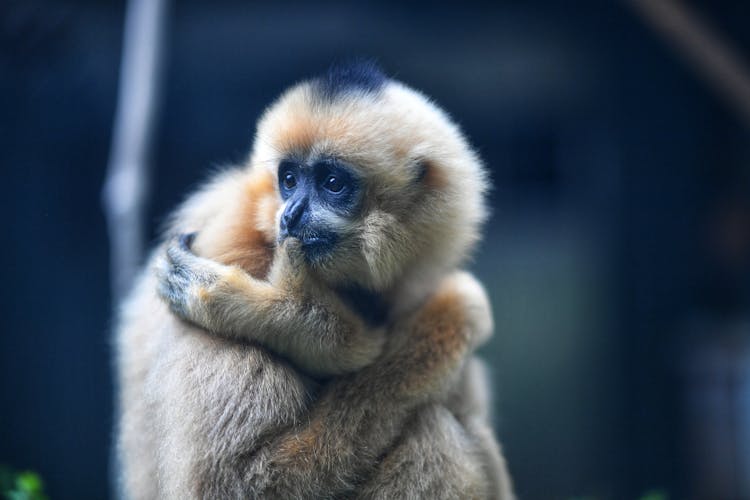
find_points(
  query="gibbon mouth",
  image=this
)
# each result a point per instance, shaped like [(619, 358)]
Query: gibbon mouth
[(315, 240), (309, 238), (315, 246), (318, 243), (312, 245)]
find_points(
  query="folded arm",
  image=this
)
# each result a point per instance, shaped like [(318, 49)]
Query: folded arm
[(315, 331), (360, 417)]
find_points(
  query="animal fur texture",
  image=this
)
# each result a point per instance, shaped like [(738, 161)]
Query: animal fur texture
[(204, 413)]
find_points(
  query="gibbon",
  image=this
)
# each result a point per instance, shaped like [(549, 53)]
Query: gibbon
[(335, 249)]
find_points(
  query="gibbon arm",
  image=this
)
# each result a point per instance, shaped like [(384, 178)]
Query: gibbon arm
[(315, 332), (360, 418)]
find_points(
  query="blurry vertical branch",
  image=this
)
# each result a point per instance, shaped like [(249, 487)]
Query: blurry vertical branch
[(710, 56), (126, 186)]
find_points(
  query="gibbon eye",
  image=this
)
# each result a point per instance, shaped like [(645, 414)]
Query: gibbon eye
[(333, 184), (289, 180)]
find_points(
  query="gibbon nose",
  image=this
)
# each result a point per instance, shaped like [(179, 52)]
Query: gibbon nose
[(291, 219)]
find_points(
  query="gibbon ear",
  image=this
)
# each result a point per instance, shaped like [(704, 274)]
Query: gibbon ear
[(429, 174)]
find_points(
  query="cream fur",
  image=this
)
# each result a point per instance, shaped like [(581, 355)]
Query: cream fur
[(202, 416)]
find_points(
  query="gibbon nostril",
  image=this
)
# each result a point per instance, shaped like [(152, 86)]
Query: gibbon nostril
[(293, 214)]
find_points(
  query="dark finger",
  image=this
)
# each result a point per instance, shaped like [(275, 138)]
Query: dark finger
[(186, 241)]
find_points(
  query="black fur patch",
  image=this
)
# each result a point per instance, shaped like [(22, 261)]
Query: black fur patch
[(370, 306), (360, 75)]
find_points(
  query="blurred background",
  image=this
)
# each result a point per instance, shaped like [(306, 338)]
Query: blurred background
[(617, 257)]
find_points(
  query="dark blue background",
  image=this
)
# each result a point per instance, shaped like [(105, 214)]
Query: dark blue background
[(617, 172)]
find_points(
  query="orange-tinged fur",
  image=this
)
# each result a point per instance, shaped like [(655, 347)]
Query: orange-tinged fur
[(245, 236), (298, 135), (303, 442), (433, 177), (440, 330)]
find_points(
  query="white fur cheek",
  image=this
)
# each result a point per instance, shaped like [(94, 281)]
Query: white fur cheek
[(329, 220), (279, 213)]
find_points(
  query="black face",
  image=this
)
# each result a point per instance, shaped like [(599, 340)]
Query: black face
[(316, 196)]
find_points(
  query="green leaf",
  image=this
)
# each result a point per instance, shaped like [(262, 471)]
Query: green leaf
[(25, 485), (29, 482), (655, 495)]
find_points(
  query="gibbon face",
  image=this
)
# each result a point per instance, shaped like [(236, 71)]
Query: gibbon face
[(376, 182), (320, 198)]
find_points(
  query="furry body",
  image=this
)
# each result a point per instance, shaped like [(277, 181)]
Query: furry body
[(214, 417)]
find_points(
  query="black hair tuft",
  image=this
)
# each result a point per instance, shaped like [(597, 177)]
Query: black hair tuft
[(359, 75)]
